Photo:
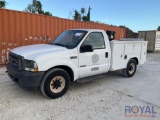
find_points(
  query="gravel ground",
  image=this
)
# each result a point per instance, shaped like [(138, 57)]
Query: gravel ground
[(103, 99)]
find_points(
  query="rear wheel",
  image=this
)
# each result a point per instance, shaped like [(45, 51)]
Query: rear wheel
[(131, 68), (55, 83)]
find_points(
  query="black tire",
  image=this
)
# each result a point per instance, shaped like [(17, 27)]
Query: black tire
[(51, 80), (131, 68)]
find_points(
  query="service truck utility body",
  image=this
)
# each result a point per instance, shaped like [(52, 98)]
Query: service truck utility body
[(74, 55), (123, 51)]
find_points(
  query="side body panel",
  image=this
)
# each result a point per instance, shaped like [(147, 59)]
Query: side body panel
[(123, 51)]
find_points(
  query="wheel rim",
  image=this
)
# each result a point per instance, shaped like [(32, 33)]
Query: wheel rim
[(57, 84), (132, 68)]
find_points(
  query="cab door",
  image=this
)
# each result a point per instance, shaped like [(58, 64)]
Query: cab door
[(93, 55)]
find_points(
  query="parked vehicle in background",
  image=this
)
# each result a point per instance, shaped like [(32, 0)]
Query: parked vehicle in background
[(75, 55)]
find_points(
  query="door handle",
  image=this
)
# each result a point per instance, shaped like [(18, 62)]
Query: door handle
[(106, 55)]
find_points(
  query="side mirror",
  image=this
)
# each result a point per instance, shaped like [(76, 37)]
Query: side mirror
[(86, 48)]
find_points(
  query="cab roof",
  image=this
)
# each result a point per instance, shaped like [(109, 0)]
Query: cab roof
[(89, 30)]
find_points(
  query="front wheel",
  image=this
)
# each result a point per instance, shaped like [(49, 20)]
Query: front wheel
[(55, 83), (131, 68)]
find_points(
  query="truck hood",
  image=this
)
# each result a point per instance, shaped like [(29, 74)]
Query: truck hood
[(32, 51)]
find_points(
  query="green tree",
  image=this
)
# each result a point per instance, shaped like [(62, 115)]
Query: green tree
[(83, 10), (81, 15), (88, 14), (158, 28), (47, 13), (85, 18), (77, 15), (36, 7), (3, 3)]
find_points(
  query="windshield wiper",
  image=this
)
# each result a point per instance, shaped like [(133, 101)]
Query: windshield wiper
[(50, 43), (58, 44)]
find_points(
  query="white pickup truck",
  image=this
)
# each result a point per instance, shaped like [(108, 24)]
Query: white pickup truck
[(75, 55)]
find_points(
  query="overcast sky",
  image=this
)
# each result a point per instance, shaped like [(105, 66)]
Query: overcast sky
[(135, 14)]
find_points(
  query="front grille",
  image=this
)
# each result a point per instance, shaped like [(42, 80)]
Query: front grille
[(15, 61)]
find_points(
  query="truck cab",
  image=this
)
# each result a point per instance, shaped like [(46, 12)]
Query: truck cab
[(72, 56)]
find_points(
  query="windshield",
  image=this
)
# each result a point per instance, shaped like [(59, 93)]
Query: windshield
[(69, 39)]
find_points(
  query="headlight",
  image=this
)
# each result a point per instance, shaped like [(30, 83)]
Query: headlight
[(30, 65)]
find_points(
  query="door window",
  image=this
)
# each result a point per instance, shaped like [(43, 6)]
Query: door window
[(96, 39)]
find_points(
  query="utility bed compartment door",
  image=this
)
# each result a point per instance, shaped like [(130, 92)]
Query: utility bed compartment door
[(117, 60), (143, 53), (132, 48)]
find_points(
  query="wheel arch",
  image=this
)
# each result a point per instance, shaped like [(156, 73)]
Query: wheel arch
[(66, 68), (136, 59)]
